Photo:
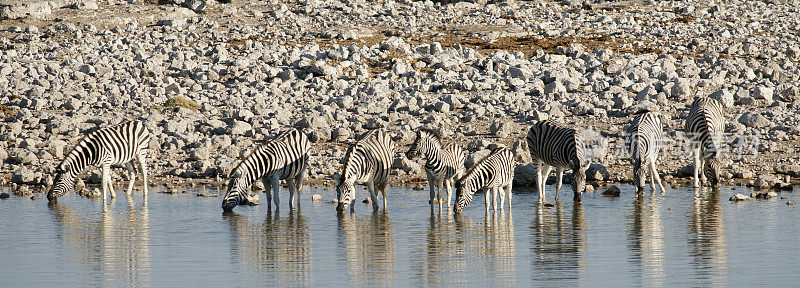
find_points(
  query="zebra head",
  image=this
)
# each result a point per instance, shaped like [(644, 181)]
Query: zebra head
[(579, 181), (425, 141), (413, 151), (463, 197), (639, 176), (236, 193), (712, 172), (63, 183), (345, 192)]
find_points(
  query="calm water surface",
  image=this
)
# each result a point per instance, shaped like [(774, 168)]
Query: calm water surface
[(679, 239)]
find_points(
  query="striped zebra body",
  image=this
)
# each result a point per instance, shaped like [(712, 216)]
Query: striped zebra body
[(644, 139), (704, 127), (121, 144), (492, 173), (367, 162), (552, 145), (444, 163), (283, 158)]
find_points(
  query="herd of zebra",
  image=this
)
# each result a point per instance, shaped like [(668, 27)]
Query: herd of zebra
[(368, 161)]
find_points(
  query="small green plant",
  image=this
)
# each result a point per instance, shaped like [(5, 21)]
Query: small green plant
[(181, 101)]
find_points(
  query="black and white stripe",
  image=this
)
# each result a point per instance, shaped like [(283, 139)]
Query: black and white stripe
[(367, 162), (643, 140), (704, 127), (552, 145), (283, 158), (492, 173), (121, 144), (444, 163)]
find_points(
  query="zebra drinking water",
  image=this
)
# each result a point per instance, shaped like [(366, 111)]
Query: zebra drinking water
[(492, 173), (552, 145), (367, 162), (704, 127), (444, 163), (282, 158), (644, 139), (121, 144)]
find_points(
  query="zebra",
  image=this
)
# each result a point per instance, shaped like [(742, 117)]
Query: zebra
[(283, 158), (367, 162), (643, 140), (704, 127), (492, 173), (120, 144), (553, 145), (445, 163)]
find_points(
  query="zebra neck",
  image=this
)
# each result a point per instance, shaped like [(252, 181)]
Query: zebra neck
[(78, 161), (433, 156), (473, 183)]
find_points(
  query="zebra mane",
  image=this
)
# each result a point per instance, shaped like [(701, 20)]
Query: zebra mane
[(432, 132), (347, 157), (479, 163)]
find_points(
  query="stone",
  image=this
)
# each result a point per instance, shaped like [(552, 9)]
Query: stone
[(316, 197), (753, 120), (4, 195), (788, 203), (739, 197), (341, 134), (240, 128), (501, 128), (612, 191), (765, 93), (724, 96), (597, 172), (201, 153), (525, 175), (22, 175)]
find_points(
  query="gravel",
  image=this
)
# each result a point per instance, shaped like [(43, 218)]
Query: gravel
[(250, 70)]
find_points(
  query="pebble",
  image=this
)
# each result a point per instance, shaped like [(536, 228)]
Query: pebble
[(4, 195), (316, 197), (612, 191), (739, 197)]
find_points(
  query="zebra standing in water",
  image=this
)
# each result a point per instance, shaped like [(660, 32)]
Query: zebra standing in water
[(367, 162), (704, 127), (121, 144), (552, 145), (283, 158), (644, 138), (445, 163), (492, 173)]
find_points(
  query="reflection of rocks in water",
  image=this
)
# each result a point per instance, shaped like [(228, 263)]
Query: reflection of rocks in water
[(112, 243), (276, 251), (707, 239), (646, 236), (368, 248), (557, 244)]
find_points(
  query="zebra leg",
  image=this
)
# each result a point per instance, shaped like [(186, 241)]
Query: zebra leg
[(292, 189), (276, 187), (267, 188), (560, 174), (508, 193), (656, 176), (495, 191), (432, 186), (703, 163), (545, 174), (382, 187), (486, 196), (539, 185), (696, 165), (131, 177), (502, 197), (140, 158), (449, 186), (373, 195), (298, 182), (107, 180)]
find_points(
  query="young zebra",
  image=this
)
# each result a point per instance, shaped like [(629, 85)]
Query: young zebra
[(283, 158), (644, 138), (367, 162), (445, 163), (121, 144), (492, 173), (552, 145), (704, 127)]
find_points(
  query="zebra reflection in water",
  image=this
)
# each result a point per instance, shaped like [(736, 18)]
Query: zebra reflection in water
[(113, 243), (558, 245), (276, 251), (646, 237), (367, 247), (708, 246)]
